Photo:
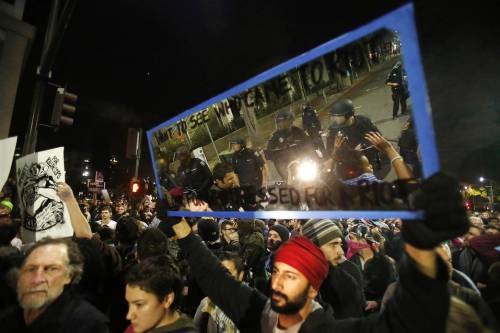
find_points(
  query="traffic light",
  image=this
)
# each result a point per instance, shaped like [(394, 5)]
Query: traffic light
[(64, 108), (135, 187)]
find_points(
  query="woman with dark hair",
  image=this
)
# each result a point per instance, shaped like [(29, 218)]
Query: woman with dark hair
[(153, 293)]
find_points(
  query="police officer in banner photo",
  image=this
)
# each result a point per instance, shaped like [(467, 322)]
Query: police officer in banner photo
[(399, 86), (354, 128), (248, 164), (288, 143), (312, 125), (193, 173)]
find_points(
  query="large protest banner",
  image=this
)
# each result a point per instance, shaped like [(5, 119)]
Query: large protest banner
[(44, 213), (298, 171)]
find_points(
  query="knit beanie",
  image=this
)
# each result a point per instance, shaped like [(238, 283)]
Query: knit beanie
[(301, 254), (208, 229), (282, 231), (321, 231)]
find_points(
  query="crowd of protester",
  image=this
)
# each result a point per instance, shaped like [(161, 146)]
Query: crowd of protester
[(130, 268)]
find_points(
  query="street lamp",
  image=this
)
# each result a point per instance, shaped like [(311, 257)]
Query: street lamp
[(481, 179)]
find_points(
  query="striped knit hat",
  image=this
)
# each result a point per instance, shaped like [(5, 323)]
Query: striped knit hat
[(321, 231)]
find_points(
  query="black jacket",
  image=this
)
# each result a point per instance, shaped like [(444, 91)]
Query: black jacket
[(286, 146), (343, 292), (68, 314), (397, 75), (248, 166), (196, 176), (355, 135), (420, 304)]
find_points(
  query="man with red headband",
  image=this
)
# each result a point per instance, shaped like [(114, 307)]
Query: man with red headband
[(420, 303)]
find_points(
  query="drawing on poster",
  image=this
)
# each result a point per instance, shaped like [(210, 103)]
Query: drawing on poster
[(42, 207)]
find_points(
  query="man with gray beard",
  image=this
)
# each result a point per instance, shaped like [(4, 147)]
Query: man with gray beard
[(46, 300)]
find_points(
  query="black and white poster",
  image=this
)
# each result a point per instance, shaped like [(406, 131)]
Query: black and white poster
[(7, 149), (44, 213)]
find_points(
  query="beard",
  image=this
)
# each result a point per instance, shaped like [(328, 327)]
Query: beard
[(291, 306), (273, 245), (35, 298)]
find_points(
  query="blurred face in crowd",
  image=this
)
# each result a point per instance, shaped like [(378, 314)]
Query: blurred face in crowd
[(230, 232), (485, 215), (236, 147), (184, 158), (294, 224), (290, 290), (333, 251), (473, 232), (494, 221), (145, 311), (365, 165), (231, 267), (43, 276), (121, 207), (284, 124), (105, 214), (273, 240), (339, 120), (476, 221), (491, 231), (229, 181)]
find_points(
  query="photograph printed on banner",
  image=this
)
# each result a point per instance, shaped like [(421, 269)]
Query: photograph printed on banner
[(333, 133)]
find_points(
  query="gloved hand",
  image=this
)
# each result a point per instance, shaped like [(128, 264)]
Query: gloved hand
[(167, 222), (445, 215)]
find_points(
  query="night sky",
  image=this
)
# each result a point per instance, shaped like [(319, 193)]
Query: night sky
[(137, 63)]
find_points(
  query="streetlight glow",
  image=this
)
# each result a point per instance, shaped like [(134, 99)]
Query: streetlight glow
[(481, 179)]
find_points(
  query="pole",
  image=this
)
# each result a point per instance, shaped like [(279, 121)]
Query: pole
[(56, 27), (41, 82), (213, 143), (137, 152), (301, 86)]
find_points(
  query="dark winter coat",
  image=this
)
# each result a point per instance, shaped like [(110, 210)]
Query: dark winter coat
[(343, 293), (67, 314)]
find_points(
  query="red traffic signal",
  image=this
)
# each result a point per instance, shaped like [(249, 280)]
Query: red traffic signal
[(467, 205), (135, 186)]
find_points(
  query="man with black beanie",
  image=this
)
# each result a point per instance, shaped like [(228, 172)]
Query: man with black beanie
[(208, 230), (342, 290), (277, 235)]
